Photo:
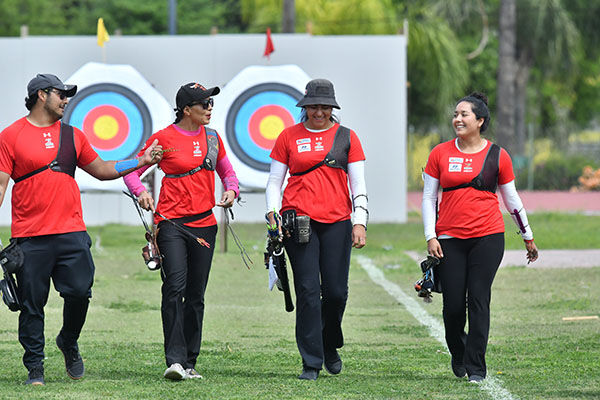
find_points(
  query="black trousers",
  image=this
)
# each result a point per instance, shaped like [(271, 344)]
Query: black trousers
[(67, 260), (320, 269), (466, 273), (185, 269)]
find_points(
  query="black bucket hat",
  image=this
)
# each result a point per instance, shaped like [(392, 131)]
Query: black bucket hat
[(191, 92), (319, 92), (45, 81)]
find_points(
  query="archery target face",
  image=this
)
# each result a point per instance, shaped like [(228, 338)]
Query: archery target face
[(115, 119), (256, 118)]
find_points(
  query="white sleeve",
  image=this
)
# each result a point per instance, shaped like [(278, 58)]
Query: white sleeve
[(274, 184), (358, 187), (429, 205), (514, 205)]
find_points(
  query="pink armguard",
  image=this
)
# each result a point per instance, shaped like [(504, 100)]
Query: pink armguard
[(227, 175), (133, 181)]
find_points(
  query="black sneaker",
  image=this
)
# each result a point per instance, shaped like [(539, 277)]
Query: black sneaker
[(458, 369), (73, 361), (333, 362), (36, 376), (309, 374)]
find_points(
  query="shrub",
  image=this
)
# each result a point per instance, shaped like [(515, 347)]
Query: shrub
[(558, 172), (419, 148)]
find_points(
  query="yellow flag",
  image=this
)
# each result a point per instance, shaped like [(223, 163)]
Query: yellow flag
[(102, 33)]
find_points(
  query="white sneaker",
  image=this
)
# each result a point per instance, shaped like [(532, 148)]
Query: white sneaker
[(191, 373), (175, 372)]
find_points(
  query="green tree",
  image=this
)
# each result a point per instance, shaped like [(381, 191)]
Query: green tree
[(586, 105), (550, 42)]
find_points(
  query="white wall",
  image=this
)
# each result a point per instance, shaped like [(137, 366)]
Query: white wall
[(369, 74)]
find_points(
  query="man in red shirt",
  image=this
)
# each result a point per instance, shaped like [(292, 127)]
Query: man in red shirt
[(40, 154)]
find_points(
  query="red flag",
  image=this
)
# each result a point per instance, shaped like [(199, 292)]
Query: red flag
[(269, 46)]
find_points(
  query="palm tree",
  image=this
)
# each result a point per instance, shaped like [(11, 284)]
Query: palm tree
[(548, 40)]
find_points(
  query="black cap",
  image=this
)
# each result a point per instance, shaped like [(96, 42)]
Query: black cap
[(319, 92), (45, 81), (192, 92)]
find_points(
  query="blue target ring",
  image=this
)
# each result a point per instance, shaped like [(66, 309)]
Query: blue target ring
[(253, 117), (115, 119)]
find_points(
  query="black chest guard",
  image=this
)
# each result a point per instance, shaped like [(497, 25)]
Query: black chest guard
[(487, 180), (338, 155), (210, 160), (66, 158)]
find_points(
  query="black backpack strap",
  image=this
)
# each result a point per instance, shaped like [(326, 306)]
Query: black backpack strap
[(491, 167), (32, 173), (64, 161), (212, 150), (337, 156)]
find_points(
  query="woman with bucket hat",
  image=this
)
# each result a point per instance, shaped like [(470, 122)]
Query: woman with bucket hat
[(322, 156), (193, 153)]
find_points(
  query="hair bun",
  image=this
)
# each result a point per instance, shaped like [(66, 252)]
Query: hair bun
[(480, 96)]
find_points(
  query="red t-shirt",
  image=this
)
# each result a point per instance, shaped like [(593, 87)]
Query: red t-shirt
[(191, 194), (322, 193), (48, 202), (466, 213)]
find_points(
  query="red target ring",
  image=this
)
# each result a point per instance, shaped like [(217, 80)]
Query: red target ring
[(107, 127), (266, 123)]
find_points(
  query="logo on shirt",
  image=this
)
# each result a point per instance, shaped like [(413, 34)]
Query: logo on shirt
[(197, 151), (319, 144), (303, 147), (303, 140), (468, 166), (454, 167), (48, 140), (455, 160)]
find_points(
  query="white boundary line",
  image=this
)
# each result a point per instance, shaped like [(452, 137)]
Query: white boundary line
[(436, 330)]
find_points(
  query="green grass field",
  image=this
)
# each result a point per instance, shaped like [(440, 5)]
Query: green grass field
[(249, 351)]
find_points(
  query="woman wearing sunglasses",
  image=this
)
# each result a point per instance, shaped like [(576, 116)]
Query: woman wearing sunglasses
[(192, 153)]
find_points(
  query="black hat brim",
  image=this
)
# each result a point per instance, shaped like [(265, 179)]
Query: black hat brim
[(316, 101)]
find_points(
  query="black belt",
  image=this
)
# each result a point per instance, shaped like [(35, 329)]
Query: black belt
[(190, 218)]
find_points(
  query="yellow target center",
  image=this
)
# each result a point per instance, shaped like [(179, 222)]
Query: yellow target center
[(271, 126), (106, 127)]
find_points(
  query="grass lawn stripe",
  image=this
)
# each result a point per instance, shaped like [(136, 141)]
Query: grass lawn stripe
[(490, 385)]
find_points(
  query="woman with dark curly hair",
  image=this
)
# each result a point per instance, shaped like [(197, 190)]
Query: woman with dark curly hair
[(468, 236)]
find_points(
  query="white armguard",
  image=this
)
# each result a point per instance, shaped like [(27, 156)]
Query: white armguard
[(429, 205), (358, 187), (514, 205), (274, 184)]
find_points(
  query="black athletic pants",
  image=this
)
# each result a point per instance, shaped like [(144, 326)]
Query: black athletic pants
[(184, 273), (66, 259), (466, 272), (320, 270)]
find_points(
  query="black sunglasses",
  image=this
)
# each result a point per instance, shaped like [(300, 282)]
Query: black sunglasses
[(204, 103), (62, 95)]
